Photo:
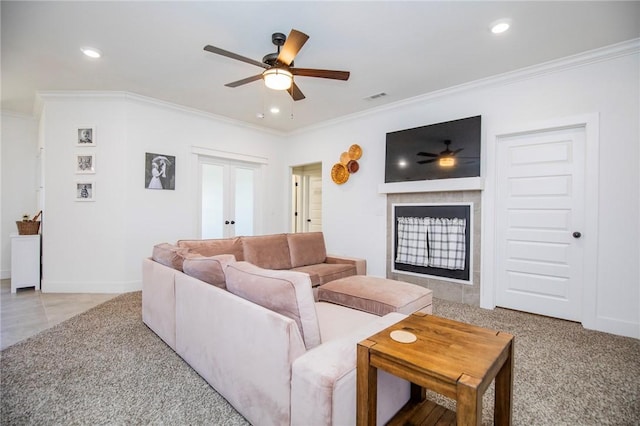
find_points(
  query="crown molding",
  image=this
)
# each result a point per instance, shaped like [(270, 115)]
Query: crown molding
[(13, 114), (84, 95)]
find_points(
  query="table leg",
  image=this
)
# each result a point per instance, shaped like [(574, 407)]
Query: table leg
[(418, 393), (504, 391), (468, 401), (366, 386)]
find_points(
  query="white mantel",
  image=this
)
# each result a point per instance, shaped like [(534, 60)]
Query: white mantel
[(435, 185)]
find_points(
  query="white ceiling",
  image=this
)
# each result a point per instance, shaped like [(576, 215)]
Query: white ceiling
[(405, 49)]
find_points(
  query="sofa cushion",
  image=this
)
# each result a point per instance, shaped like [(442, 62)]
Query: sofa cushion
[(267, 251), (322, 273), (306, 248), (209, 269), (214, 247), (375, 295), (170, 255), (286, 292)]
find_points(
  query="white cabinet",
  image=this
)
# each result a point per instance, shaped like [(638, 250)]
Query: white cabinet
[(25, 261)]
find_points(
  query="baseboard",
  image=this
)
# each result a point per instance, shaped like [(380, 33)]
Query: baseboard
[(618, 327), (5, 274), (90, 287)]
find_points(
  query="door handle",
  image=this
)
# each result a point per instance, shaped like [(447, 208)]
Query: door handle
[(577, 234), (233, 222), (226, 222), (309, 220)]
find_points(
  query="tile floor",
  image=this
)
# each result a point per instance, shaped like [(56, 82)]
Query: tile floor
[(28, 312)]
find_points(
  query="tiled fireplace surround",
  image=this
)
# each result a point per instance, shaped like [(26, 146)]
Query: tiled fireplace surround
[(442, 289)]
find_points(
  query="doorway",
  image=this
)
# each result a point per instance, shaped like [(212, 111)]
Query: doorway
[(306, 202)]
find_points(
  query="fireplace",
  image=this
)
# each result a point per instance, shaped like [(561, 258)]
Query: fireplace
[(467, 192), (433, 240)]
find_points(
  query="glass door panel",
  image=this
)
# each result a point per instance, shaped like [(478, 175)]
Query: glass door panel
[(244, 200), (212, 183)]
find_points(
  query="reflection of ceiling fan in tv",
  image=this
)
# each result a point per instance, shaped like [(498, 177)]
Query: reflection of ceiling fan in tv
[(446, 158)]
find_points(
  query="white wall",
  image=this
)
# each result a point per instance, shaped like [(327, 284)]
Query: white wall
[(354, 213), (98, 246), (19, 166)]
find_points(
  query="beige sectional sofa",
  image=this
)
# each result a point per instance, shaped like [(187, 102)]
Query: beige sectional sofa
[(260, 338), (302, 252)]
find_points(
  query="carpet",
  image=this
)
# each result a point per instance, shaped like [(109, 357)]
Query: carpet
[(106, 367)]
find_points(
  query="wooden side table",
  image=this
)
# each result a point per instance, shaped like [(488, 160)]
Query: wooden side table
[(454, 359)]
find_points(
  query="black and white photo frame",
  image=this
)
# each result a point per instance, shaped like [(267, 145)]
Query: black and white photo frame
[(85, 163), (86, 136), (85, 190), (160, 171)]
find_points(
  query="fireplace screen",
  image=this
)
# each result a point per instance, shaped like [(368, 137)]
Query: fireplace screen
[(433, 239)]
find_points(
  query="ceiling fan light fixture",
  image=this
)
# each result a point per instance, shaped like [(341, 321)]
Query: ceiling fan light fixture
[(447, 162), (277, 79)]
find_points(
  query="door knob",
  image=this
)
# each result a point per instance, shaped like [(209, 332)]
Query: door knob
[(577, 234), (233, 222), (226, 222), (308, 220)]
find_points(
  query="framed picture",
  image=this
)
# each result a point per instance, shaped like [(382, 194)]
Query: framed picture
[(86, 136), (85, 191), (85, 163), (159, 171)]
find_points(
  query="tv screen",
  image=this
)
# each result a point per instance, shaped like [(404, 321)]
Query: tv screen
[(436, 151)]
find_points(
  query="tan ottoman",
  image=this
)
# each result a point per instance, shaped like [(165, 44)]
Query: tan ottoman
[(378, 296)]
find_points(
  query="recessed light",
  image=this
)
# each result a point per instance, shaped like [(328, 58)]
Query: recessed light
[(274, 110), (91, 52), (500, 26)]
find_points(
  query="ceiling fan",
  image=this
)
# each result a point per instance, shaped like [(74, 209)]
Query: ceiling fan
[(446, 158), (279, 69)]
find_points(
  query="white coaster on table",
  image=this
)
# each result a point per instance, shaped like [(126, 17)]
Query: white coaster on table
[(403, 336)]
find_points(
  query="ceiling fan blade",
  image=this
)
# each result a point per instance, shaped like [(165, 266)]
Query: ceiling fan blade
[(292, 46), (457, 151), (295, 92), (427, 154), (426, 161), (244, 81), (232, 55), (310, 72)]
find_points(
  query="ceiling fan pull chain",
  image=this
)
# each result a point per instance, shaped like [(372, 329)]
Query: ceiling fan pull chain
[(292, 103)]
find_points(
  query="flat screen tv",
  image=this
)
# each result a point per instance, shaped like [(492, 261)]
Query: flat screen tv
[(436, 151)]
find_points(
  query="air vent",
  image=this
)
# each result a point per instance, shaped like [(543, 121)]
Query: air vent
[(376, 96)]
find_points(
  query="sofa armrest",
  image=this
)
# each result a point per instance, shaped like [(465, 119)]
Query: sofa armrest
[(159, 300), (361, 264), (323, 383)]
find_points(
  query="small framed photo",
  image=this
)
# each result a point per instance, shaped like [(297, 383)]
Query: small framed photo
[(86, 136), (85, 191), (85, 163), (159, 171)]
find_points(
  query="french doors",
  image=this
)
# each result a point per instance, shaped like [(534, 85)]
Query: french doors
[(228, 197)]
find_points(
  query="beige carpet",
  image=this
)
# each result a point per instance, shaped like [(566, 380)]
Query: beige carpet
[(106, 367)]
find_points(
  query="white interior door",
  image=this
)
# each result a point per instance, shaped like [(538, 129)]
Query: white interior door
[(314, 221), (539, 219), (307, 198), (228, 198)]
